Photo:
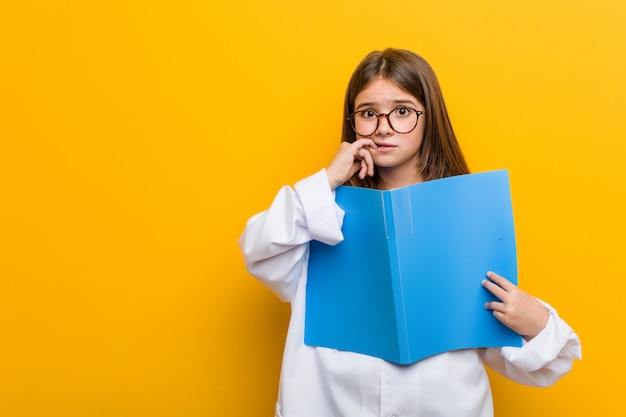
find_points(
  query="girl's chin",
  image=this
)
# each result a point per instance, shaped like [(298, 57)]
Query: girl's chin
[(384, 160)]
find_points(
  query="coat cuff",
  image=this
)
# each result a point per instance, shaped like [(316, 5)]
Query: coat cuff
[(323, 217), (556, 339)]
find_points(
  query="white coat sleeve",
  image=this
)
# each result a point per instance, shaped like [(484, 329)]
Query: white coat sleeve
[(542, 360), (275, 242)]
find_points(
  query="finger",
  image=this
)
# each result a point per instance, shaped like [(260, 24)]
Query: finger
[(367, 163), (502, 318), (363, 170), (367, 158), (495, 306), (363, 142), (494, 288), (501, 281)]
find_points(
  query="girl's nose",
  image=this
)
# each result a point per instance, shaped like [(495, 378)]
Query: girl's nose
[(384, 128)]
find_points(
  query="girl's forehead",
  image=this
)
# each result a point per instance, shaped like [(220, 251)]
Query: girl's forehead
[(382, 90)]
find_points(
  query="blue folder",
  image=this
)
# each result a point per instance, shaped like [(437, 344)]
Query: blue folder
[(405, 283)]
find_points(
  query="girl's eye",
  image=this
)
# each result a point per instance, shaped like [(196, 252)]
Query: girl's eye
[(368, 114), (402, 111)]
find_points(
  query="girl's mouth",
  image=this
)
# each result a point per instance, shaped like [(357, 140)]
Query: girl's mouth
[(384, 147)]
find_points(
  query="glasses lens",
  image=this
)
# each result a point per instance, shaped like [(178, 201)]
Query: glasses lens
[(403, 119), (365, 122)]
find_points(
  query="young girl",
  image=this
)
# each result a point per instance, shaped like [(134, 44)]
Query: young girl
[(396, 133)]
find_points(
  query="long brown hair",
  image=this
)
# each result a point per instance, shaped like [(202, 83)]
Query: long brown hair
[(439, 155)]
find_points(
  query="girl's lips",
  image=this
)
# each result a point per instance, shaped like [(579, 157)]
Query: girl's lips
[(384, 147)]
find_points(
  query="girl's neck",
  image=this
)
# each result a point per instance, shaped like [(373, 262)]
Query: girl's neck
[(390, 180)]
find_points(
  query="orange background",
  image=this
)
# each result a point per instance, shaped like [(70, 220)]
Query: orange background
[(136, 138)]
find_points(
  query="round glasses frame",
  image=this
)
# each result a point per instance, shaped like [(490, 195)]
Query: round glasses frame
[(378, 116)]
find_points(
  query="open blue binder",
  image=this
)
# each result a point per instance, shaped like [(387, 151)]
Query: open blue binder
[(405, 283)]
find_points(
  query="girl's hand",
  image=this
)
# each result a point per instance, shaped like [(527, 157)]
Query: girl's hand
[(518, 310), (350, 158)]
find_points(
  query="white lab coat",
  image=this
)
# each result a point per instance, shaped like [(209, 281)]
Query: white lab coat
[(322, 382)]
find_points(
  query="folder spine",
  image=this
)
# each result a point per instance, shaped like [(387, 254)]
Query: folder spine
[(390, 214)]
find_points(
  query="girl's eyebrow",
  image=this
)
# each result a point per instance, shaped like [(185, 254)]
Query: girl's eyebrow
[(373, 104)]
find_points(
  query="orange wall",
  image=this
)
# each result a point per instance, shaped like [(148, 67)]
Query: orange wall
[(137, 137)]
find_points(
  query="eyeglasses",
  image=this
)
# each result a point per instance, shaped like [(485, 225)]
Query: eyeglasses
[(401, 119)]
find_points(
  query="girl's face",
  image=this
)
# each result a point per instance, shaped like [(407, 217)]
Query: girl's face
[(396, 154)]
